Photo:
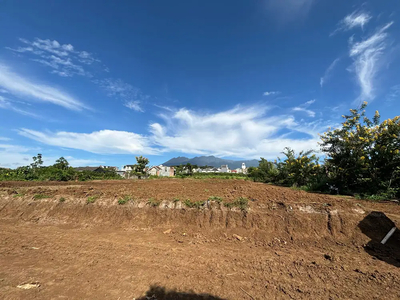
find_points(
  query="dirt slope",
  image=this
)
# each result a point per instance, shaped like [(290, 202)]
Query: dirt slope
[(288, 245)]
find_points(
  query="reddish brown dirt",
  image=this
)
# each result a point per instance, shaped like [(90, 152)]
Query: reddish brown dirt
[(288, 245)]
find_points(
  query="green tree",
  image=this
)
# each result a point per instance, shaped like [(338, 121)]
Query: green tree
[(363, 154), (140, 166), (37, 161), (61, 163)]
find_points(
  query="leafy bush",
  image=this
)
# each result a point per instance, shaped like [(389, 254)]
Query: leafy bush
[(62, 199)]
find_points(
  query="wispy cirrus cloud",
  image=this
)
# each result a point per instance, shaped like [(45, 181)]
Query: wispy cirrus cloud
[(368, 60), (328, 72), (131, 96), (289, 10), (357, 18), (20, 86), (271, 93), (64, 59), (304, 108), (7, 104)]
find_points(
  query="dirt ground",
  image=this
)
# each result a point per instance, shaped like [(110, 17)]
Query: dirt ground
[(288, 245)]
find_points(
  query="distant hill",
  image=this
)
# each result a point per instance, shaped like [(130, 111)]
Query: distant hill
[(211, 161)]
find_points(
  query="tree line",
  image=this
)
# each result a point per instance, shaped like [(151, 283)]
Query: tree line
[(361, 158)]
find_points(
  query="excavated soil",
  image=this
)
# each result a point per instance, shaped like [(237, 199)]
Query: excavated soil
[(288, 245)]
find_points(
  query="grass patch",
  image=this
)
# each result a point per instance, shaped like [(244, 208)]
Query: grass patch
[(40, 196), (216, 199), (242, 203), (91, 199), (176, 200), (124, 200), (153, 202), (62, 199), (19, 195), (197, 204)]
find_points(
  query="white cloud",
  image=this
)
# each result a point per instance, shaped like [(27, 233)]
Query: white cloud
[(368, 60), (328, 72), (62, 58), (2, 138), (134, 105), (239, 132), (271, 93), (102, 142), (22, 87), (355, 19), (304, 108), (13, 156), (289, 10), (243, 132)]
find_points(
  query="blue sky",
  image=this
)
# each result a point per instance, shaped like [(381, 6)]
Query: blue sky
[(100, 82)]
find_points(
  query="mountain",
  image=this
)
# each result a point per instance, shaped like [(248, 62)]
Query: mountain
[(211, 161)]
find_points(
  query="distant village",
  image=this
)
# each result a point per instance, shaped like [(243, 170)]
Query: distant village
[(165, 171)]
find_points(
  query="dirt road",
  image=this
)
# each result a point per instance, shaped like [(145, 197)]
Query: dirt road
[(288, 245)]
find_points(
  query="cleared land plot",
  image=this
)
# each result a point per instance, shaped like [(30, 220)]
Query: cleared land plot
[(286, 244)]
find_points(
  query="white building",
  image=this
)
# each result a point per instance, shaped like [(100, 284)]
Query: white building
[(224, 169)]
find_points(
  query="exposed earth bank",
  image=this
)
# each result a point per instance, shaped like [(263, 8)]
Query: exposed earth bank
[(288, 245)]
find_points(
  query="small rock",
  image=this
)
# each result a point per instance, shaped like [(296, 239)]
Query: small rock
[(238, 237), (167, 231), (28, 286)]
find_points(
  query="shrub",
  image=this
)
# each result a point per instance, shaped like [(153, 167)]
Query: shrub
[(62, 199)]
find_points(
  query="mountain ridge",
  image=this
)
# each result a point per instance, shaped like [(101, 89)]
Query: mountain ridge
[(211, 161)]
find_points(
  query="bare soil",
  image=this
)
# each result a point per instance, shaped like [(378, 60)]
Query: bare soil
[(288, 245)]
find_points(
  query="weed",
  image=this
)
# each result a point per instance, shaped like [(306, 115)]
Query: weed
[(91, 199), (188, 203), (124, 200), (62, 199), (40, 196), (216, 199), (153, 202), (176, 200), (241, 203), (19, 195), (206, 190)]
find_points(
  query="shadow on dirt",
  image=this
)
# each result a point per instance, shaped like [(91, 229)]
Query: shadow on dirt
[(376, 225), (160, 293)]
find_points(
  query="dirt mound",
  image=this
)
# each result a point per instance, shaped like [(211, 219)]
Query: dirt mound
[(286, 244)]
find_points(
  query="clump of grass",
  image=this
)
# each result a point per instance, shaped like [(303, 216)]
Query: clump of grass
[(19, 195), (40, 196), (242, 203), (206, 190), (216, 199), (153, 202), (91, 199), (197, 204), (176, 200), (124, 200), (62, 199)]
